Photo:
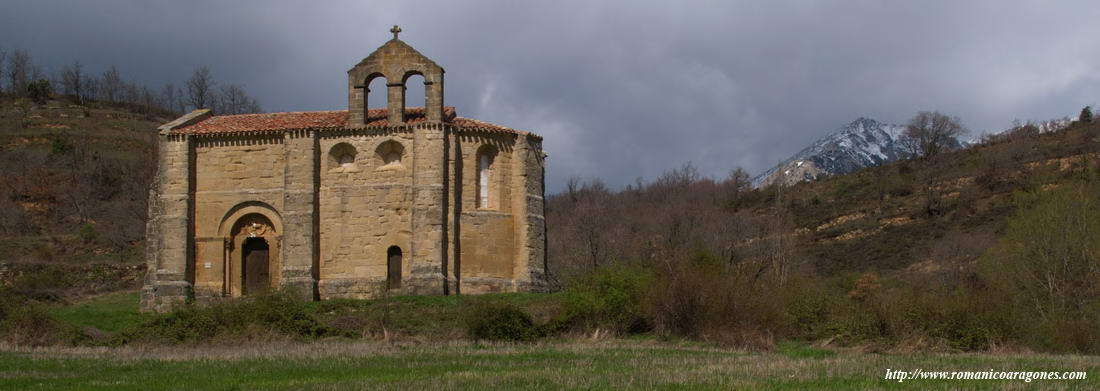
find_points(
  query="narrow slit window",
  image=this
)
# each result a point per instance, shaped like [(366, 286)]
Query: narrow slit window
[(483, 180)]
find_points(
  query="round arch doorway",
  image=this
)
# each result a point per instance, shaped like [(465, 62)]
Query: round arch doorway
[(254, 256)]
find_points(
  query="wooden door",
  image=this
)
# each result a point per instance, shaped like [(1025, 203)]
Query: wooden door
[(257, 278)]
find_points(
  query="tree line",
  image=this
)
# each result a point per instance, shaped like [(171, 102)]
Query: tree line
[(22, 78)]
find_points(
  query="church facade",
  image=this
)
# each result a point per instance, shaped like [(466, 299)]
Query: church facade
[(356, 203)]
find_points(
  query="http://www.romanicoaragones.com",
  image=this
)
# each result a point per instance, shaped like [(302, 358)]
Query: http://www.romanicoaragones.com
[(1024, 376)]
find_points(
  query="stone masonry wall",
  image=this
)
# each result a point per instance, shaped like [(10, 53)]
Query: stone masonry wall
[(335, 218), (486, 235), (229, 172), (429, 231), (365, 207), (530, 195), (168, 228), (299, 251)]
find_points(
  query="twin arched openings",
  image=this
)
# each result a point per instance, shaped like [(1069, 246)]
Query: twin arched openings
[(395, 95), (343, 157)]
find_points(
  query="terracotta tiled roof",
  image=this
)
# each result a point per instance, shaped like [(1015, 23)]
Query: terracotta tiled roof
[(266, 122), (338, 119), (473, 124)]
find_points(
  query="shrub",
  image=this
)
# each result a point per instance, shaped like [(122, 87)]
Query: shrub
[(612, 299), (278, 313), (87, 233), (24, 322), (739, 306), (494, 321), (285, 314), (60, 146), (39, 91), (43, 282), (1047, 265)]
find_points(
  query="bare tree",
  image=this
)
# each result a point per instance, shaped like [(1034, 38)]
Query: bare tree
[(931, 133), (3, 64), (131, 94), (91, 88), (36, 72), (200, 88), (572, 189), (148, 99), (928, 134), (73, 81), (111, 86), (739, 181), (233, 99), (181, 101), (18, 72), (168, 96)]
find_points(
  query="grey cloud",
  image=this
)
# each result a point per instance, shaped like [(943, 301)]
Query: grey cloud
[(620, 90)]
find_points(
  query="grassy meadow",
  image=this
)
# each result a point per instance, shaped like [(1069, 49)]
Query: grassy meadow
[(577, 364), (424, 353)]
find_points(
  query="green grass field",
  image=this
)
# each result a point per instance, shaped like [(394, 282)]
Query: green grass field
[(573, 365), (427, 358), (111, 312)]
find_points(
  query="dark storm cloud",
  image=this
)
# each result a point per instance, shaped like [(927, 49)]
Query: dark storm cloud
[(619, 90)]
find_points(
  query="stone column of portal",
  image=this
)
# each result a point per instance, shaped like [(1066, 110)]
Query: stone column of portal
[(167, 230), (428, 232), (298, 235), (530, 224)]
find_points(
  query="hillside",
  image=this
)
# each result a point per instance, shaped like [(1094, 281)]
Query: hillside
[(931, 216), (73, 196), (907, 215), (992, 245)]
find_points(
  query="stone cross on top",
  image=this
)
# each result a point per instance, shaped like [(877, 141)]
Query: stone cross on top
[(395, 30)]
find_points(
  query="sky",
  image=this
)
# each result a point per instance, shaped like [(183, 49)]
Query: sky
[(618, 89)]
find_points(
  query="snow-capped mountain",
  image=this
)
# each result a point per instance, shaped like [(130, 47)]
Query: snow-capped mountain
[(1047, 126), (862, 143)]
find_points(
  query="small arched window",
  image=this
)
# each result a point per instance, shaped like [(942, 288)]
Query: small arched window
[(389, 154), (485, 177), (342, 157), (393, 267)]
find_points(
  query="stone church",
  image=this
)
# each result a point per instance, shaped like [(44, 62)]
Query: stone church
[(354, 203)]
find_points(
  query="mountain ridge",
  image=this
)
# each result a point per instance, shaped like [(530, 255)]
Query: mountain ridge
[(864, 142)]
